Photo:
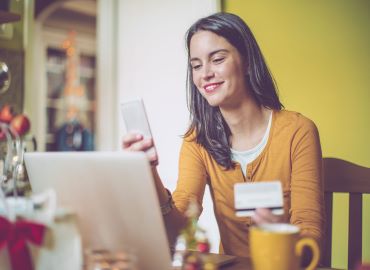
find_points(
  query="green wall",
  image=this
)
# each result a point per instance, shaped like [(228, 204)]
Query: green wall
[(319, 54)]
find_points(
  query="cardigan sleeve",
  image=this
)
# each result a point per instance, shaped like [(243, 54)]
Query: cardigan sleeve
[(192, 176), (307, 195)]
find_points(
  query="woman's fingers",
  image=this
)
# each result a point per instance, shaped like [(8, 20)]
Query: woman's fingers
[(153, 158), (264, 215), (142, 145), (136, 143), (131, 138)]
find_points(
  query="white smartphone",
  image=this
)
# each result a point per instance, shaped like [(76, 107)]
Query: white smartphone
[(135, 118)]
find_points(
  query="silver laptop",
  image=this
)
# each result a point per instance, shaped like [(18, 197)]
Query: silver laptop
[(113, 194)]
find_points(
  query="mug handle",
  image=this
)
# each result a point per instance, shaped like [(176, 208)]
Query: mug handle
[(309, 242)]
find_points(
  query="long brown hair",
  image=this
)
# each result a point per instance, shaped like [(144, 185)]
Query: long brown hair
[(212, 132)]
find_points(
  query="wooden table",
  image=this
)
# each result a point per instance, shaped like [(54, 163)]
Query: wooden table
[(245, 264)]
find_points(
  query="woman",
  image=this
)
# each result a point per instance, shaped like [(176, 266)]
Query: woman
[(239, 133)]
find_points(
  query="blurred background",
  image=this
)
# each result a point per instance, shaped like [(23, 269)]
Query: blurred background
[(73, 62)]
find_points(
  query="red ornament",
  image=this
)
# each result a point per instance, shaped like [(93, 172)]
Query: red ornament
[(203, 247), (6, 114), (21, 124)]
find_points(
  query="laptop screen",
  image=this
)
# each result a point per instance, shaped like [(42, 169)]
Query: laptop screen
[(114, 196)]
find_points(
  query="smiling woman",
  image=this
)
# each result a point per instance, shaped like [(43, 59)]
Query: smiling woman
[(226, 48), (239, 133)]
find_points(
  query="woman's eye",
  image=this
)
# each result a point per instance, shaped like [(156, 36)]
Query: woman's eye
[(196, 67), (218, 60)]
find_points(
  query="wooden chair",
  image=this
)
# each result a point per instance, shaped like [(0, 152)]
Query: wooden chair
[(346, 177)]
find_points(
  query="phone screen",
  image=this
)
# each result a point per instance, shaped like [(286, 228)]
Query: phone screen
[(135, 118)]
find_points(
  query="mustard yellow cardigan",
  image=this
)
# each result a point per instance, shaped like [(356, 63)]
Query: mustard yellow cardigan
[(291, 155)]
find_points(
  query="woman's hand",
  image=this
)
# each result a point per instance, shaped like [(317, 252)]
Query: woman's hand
[(264, 215), (135, 142)]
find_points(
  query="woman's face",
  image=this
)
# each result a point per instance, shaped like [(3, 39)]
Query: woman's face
[(218, 70)]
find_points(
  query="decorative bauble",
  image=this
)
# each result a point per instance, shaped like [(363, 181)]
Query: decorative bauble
[(20, 124)]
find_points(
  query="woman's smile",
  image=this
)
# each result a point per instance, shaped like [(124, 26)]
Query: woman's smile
[(211, 87)]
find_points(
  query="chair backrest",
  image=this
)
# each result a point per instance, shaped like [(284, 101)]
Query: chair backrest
[(345, 177)]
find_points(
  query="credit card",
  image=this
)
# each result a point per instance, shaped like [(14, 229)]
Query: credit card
[(250, 196)]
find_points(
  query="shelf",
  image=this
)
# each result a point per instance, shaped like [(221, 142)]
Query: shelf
[(7, 17), (61, 103)]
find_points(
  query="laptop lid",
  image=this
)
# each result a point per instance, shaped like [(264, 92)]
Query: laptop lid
[(114, 196)]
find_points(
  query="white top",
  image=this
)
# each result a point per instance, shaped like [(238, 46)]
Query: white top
[(245, 157)]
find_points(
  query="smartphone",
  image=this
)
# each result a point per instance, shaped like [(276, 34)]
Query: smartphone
[(135, 119)]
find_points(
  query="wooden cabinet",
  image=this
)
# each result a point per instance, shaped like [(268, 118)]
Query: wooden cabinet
[(62, 95), (76, 109)]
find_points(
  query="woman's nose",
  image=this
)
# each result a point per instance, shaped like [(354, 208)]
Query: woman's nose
[(207, 73)]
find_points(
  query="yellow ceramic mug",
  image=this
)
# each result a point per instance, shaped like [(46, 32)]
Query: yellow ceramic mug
[(279, 247)]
